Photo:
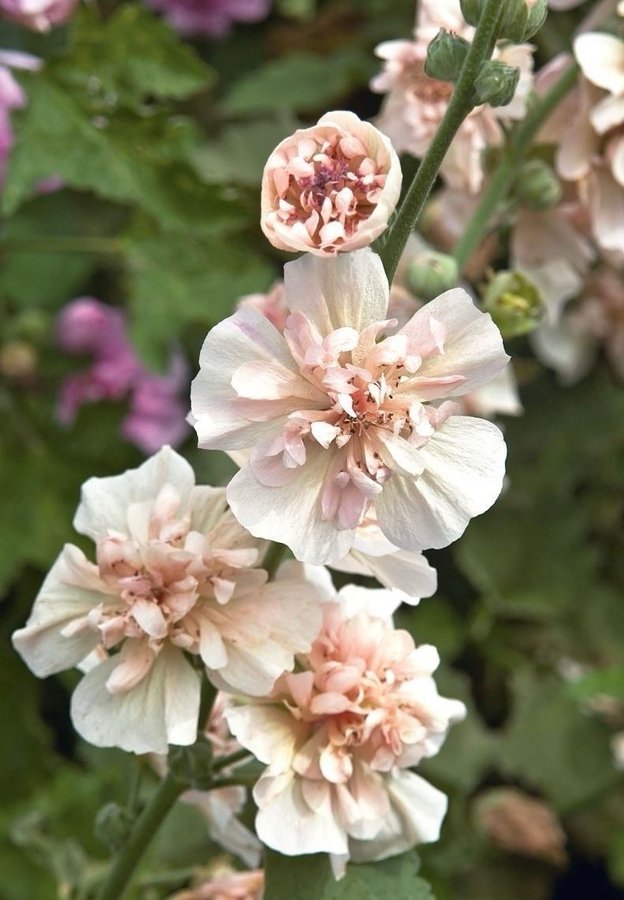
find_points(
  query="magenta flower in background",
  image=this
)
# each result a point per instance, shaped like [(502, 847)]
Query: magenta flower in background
[(157, 413), (11, 97), (40, 15), (193, 18)]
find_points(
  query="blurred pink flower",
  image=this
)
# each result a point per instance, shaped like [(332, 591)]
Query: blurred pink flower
[(226, 883), (340, 423), (340, 735), (415, 103), (11, 97), (194, 18), (157, 414), (330, 188), (175, 575), (39, 15), (591, 149)]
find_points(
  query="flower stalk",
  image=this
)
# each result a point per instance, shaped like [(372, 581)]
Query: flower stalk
[(507, 169), (460, 105)]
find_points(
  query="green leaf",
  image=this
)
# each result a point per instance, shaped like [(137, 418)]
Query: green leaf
[(311, 878), (175, 283), (114, 158), (130, 56), (300, 81), (240, 154), (602, 681), (553, 744)]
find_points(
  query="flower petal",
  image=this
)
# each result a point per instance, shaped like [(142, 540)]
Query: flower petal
[(162, 709), (350, 290), (601, 57), (70, 591), (105, 502), (465, 466)]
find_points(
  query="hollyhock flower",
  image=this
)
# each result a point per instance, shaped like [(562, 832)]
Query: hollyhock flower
[(591, 149), (221, 807), (173, 576), (342, 422), (212, 18), (415, 103), (39, 15), (330, 188), (226, 883), (372, 554), (157, 414), (521, 825), (339, 736)]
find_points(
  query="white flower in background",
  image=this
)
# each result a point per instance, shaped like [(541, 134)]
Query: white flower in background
[(340, 735), (173, 576), (342, 422)]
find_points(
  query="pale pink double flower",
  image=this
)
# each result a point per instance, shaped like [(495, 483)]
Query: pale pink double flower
[(330, 188), (340, 735), (39, 15), (343, 422), (175, 575)]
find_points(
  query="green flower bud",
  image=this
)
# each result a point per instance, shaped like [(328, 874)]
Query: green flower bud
[(523, 19), (537, 185), (192, 765), (431, 274), (471, 10), (514, 303), (445, 56), (496, 83), (113, 824)]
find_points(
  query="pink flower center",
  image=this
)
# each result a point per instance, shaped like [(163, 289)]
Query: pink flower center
[(325, 187)]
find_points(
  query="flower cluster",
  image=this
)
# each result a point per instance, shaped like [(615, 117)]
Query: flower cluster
[(214, 18), (351, 408), (156, 415)]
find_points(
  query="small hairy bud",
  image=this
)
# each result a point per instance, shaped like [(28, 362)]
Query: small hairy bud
[(514, 303), (523, 19), (471, 10), (113, 824), (496, 83), (521, 824), (445, 56), (192, 765), (431, 274), (537, 185)]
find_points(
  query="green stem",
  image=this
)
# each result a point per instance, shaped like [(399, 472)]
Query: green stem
[(460, 105), (273, 557), (223, 762), (502, 180), (144, 830), (207, 699), (53, 244)]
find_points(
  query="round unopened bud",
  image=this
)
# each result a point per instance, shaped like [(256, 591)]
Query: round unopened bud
[(496, 83), (113, 824), (445, 56), (432, 273), (537, 185), (514, 303), (192, 766), (18, 360), (521, 824)]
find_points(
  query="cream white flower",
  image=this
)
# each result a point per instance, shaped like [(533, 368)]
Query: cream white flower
[(174, 575), (341, 423), (339, 736)]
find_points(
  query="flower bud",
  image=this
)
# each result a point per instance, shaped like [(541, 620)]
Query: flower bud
[(521, 824), (514, 303), (537, 185), (113, 825), (471, 10), (523, 19), (192, 765), (496, 83), (445, 56), (431, 274)]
